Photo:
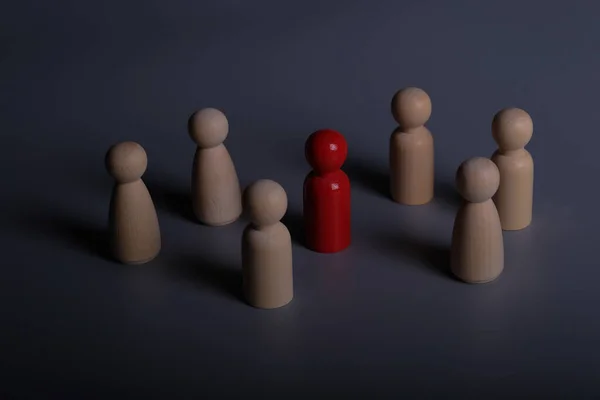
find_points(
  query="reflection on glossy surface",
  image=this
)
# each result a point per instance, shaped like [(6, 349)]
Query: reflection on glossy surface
[(326, 151), (338, 275)]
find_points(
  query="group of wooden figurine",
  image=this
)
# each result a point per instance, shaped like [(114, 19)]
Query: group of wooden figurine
[(497, 193)]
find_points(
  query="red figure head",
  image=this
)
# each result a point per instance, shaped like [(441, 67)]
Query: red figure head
[(326, 151)]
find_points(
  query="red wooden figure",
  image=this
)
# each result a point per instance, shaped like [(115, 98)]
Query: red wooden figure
[(326, 193)]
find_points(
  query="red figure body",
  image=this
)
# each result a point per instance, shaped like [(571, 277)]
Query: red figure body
[(326, 193)]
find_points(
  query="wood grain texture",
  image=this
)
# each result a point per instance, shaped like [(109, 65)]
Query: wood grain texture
[(134, 229), (267, 261), (267, 247), (216, 192), (512, 129), (477, 243), (411, 149), (477, 250), (412, 166), (133, 224)]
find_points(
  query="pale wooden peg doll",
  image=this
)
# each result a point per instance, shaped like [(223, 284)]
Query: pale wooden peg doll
[(477, 253), (216, 192), (266, 247), (512, 129), (133, 223), (411, 149)]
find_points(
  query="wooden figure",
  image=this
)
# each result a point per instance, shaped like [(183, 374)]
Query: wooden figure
[(411, 149), (216, 191), (512, 129), (326, 193), (266, 247), (133, 223), (477, 253)]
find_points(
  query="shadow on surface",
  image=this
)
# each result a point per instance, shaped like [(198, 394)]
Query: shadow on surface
[(445, 192), (171, 199), (363, 174), (432, 255), (83, 235), (206, 272), (293, 220), (89, 177)]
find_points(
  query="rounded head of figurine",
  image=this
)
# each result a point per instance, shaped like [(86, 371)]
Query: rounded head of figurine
[(411, 107), (126, 162), (208, 127), (266, 202), (477, 179), (326, 151), (512, 129)]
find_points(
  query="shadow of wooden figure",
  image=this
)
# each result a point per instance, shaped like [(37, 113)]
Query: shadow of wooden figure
[(294, 221), (432, 255), (206, 272), (85, 236), (171, 198), (376, 180), (365, 175)]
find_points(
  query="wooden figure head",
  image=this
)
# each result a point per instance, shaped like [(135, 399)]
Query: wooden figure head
[(208, 127), (512, 129), (126, 162), (411, 108), (477, 179), (265, 202)]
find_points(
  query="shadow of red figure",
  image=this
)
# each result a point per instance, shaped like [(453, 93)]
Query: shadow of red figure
[(326, 193)]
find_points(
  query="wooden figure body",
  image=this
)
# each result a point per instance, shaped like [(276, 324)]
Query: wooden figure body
[(326, 198), (266, 247), (133, 224), (411, 149), (512, 129), (477, 253), (216, 191)]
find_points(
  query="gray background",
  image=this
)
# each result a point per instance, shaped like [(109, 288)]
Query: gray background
[(381, 318)]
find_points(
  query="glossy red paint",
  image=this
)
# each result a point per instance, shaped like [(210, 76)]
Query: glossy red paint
[(326, 193)]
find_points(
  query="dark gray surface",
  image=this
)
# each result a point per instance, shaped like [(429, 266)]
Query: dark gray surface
[(379, 318)]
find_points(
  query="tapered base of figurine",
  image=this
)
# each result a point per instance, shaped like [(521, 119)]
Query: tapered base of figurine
[(267, 262), (476, 282), (139, 262), (419, 202), (515, 227), (219, 223), (268, 306)]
